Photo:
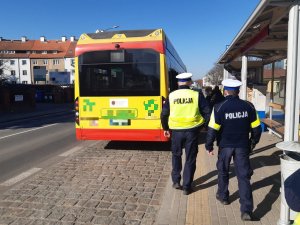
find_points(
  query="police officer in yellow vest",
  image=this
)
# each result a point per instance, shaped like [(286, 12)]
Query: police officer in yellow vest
[(183, 113), (230, 123)]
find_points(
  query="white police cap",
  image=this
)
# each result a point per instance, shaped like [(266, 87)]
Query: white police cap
[(184, 76), (231, 84)]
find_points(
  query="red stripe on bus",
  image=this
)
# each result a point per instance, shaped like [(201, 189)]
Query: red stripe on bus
[(118, 135), (156, 45)]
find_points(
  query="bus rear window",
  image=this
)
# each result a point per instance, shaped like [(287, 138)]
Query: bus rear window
[(119, 73)]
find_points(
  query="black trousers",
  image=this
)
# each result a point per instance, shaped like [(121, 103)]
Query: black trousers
[(243, 172), (187, 139)]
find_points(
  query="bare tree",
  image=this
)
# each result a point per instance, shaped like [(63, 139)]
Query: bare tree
[(215, 75), (4, 77)]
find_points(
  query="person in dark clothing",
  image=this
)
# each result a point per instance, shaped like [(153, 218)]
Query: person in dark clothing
[(230, 123), (216, 96), (208, 95), (183, 113)]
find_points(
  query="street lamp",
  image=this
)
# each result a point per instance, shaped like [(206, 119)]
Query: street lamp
[(101, 31)]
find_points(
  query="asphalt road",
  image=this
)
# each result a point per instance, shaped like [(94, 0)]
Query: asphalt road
[(35, 143)]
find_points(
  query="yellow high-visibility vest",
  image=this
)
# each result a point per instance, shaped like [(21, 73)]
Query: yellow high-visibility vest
[(184, 110), (297, 220)]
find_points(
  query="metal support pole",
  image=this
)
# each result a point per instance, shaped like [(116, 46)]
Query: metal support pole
[(292, 97), (292, 80), (243, 89), (272, 95), (225, 74)]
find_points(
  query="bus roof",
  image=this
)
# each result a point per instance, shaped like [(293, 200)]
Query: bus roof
[(127, 33)]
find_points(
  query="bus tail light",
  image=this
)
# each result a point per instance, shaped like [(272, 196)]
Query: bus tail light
[(77, 111)]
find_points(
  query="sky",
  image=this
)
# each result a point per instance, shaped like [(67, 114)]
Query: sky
[(198, 29)]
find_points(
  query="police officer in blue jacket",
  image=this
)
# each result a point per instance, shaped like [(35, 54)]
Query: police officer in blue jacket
[(230, 123), (183, 113)]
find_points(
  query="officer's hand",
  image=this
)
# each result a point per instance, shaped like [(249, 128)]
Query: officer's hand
[(252, 145), (167, 133)]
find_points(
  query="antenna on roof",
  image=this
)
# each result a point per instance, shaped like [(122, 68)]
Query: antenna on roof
[(110, 28)]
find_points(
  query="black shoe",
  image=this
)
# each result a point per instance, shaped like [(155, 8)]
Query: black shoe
[(223, 201), (246, 216), (176, 186), (187, 191)]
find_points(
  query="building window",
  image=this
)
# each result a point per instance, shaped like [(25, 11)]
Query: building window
[(44, 52), (13, 72), (12, 62), (24, 62), (55, 61), (24, 82), (45, 61), (24, 72), (34, 62)]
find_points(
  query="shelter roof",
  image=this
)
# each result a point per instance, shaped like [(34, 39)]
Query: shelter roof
[(264, 35)]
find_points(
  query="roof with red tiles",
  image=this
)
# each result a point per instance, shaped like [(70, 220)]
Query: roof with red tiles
[(62, 49), (71, 50), (16, 45), (50, 45)]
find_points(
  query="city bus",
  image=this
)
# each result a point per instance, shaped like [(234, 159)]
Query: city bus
[(121, 81)]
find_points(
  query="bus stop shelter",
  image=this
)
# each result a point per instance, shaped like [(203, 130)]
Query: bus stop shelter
[(272, 33)]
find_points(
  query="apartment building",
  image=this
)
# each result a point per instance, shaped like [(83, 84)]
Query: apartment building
[(38, 61)]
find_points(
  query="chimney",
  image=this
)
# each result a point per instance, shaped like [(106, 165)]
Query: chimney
[(72, 38), (63, 38), (42, 39), (23, 38)]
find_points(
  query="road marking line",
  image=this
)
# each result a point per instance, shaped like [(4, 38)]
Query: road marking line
[(20, 177), (71, 151), (26, 131)]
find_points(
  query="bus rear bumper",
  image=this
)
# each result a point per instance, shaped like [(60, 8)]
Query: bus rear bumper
[(120, 135)]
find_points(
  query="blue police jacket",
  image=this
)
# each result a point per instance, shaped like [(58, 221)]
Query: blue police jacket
[(231, 122)]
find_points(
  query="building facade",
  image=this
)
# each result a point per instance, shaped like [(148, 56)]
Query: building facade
[(33, 61)]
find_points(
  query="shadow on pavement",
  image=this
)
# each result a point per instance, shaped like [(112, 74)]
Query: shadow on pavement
[(148, 145), (263, 149), (139, 145), (257, 162)]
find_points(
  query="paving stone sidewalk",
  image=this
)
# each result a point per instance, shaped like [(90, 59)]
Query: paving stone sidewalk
[(202, 208), (100, 184)]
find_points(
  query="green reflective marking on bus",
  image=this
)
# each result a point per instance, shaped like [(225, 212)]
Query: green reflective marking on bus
[(88, 105), (120, 114), (150, 106)]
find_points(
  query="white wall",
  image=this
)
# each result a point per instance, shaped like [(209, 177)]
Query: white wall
[(26, 66), (18, 68), (69, 66)]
